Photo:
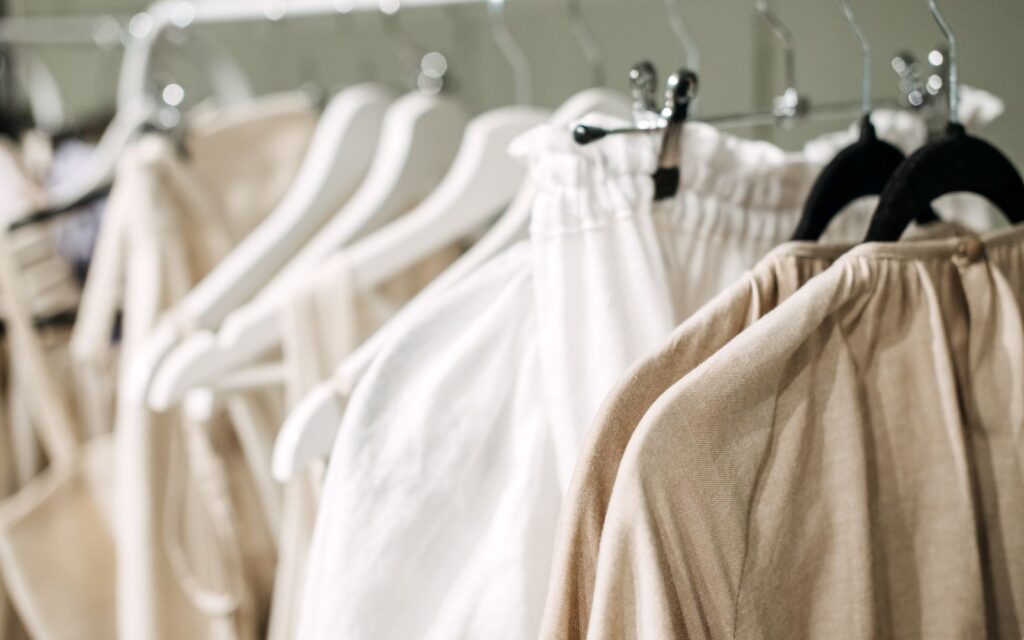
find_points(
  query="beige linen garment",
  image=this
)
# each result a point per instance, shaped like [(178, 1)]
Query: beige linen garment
[(849, 466), (780, 274), (54, 524), (56, 552), (323, 322), (176, 217), (772, 280)]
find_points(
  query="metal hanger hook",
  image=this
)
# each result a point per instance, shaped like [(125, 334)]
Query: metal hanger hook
[(865, 48), (643, 84), (686, 39), (954, 79), (588, 42), (785, 36), (790, 104), (514, 54)]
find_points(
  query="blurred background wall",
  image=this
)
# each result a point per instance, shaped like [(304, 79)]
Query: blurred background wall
[(741, 61)]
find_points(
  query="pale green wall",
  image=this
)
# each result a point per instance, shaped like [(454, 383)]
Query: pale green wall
[(741, 62)]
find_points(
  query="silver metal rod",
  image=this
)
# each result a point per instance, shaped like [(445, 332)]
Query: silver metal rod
[(146, 28), (102, 31), (834, 111), (585, 134)]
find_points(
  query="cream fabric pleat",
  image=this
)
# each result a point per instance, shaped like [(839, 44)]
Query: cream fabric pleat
[(775, 278), (779, 275)]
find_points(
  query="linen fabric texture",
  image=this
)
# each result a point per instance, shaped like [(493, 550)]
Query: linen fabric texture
[(849, 466)]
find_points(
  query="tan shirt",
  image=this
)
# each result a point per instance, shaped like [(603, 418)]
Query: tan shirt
[(849, 466), (574, 563)]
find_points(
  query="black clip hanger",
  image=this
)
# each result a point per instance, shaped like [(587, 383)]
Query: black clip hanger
[(680, 90), (679, 93), (44, 215)]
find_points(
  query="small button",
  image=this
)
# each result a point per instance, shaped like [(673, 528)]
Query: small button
[(969, 251)]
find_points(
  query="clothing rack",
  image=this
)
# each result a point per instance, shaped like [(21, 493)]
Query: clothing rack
[(832, 111), (102, 31), (146, 28)]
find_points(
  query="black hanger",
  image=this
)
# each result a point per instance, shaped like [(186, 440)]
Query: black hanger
[(955, 162), (177, 136), (861, 169), (57, 320), (43, 215)]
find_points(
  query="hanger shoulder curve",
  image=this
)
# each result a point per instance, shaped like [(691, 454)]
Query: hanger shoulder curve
[(860, 169), (957, 162), (294, 446), (311, 428), (330, 172), (483, 178), (204, 356)]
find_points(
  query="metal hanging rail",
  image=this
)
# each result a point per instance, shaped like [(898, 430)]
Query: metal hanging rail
[(146, 28), (106, 32)]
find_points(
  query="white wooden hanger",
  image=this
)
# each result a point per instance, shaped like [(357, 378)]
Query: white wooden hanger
[(330, 173), (312, 426), (310, 429), (420, 136), (510, 227), (41, 90), (481, 182), (333, 166)]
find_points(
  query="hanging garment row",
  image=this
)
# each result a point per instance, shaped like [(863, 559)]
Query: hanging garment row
[(377, 368)]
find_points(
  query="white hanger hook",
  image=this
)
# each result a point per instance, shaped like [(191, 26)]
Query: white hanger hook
[(513, 53), (686, 39), (954, 80), (865, 47), (588, 42)]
